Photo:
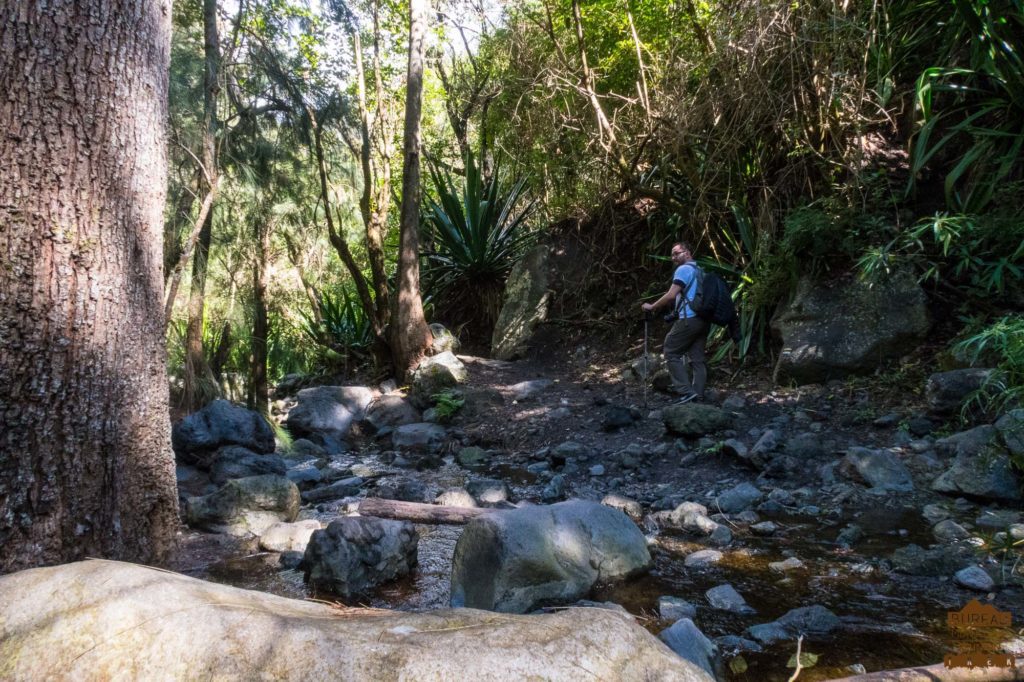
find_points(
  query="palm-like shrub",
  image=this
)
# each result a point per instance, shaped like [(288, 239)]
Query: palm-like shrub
[(476, 232), (344, 328)]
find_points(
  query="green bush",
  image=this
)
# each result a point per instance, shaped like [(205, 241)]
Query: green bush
[(1002, 341)]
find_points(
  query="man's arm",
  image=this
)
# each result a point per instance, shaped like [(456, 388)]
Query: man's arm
[(668, 297)]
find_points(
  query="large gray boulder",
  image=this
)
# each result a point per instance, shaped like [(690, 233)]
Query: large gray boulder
[(1011, 428), (328, 410), (694, 420), (831, 330), (234, 461), (436, 374), (947, 391), (288, 537), (690, 643), (514, 561), (988, 476), (526, 305), (389, 411), (422, 437), (443, 340), (218, 424), (91, 619), (880, 469), (245, 506), (355, 553), (813, 621)]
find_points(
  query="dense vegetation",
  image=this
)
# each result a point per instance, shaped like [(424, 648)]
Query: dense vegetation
[(782, 138)]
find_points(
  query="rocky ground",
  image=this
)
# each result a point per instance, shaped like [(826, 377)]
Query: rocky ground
[(818, 498)]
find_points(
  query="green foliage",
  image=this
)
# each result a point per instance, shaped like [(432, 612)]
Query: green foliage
[(478, 231), (1001, 342), (345, 327), (447, 404)]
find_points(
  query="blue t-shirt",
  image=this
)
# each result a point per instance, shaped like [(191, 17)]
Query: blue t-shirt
[(686, 277)]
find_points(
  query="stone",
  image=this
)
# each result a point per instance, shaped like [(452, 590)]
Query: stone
[(990, 477), (974, 578), (423, 437), (218, 424), (328, 410), (525, 304), (182, 628), (945, 392), (703, 558), (390, 411), (686, 639), (245, 506), (981, 440), (619, 417), (435, 374), (933, 513), (554, 491), (844, 327), (674, 608), (288, 537), (488, 490), (1011, 428), (527, 390), (805, 446), (472, 457), (443, 340), (737, 644), (880, 469), (998, 519), (597, 470), (303, 449), (920, 426), (456, 497), (234, 461), (815, 621), (764, 528), (726, 598), (913, 560), (767, 443), (735, 448), (950, 531), (850, 535), (512, 561), (695, 419), (741, 497), (568, 449), (346, 487), (403, 489), (290, 560), (790, 564), (304, 475), (356, 553), (630, 507)]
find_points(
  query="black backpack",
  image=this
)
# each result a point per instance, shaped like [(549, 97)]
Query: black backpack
[(712, 301)]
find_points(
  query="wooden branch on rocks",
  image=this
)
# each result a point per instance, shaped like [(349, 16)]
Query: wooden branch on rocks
[(418, 512), (940, 673)]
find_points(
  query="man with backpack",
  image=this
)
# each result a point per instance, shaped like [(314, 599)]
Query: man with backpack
[(684, 344)]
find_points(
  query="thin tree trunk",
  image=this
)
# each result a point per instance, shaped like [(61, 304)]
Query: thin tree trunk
[(173, 278), (173, 245), (86, 467), (410, 335), (259, 393)]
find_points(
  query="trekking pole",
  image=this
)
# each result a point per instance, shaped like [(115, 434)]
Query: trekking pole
[(647, 375)]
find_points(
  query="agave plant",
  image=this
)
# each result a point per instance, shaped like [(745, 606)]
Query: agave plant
[(345, 327), (478, 232)]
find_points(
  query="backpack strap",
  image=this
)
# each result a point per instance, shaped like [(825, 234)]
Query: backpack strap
[(698, 275)]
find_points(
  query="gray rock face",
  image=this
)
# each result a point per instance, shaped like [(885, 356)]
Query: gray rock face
[(437, 373), (689, 642), (880, 469), (329, 410), (245, 505), (815, 621), (990, 477), (422, 437), (974, 578), (234, 461), (444, 340), (946, 392), (183, 628), (513, 561), (737, 499), (842, 328), (355, 553), (525, 306), (981, 440), (389, 411), (218, 424), (1011, 428), (288, 537), (693, 419)]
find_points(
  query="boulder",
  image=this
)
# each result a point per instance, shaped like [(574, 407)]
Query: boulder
[(443, 340), (455, 497), (423, 437), (328, 410), (630, 507), (831, 330), (694, 420), (643, 368), (880, 469), (936, 562), (674, 608), (514, 561), (1011, 428), (946, 392), (974, 578), (218, 424), (346, 487), (488, 490), (980, 441), (389, 411), (355, 553), (435, 374), (525, 305), (234, 461), (472, 457), (288, 537), (988, 477), (739, 498), (90, 619), (813, 621), (527, 390), (245, 505), (726, 598), (692, 645)]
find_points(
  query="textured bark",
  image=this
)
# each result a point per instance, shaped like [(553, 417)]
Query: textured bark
[(86, 467), (410, 336), (259, 394)]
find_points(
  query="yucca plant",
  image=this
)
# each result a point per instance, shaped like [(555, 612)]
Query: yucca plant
[(345, 327), (477, 232)]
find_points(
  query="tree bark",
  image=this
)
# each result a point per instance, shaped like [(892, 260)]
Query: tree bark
[(418, 512), (86, 467), (259, 393), (410, 335)]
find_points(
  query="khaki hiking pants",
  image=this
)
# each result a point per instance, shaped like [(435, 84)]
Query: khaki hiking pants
[(684, 346)]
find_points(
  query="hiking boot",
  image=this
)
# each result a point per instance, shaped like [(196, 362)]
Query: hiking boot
[(688, 398)]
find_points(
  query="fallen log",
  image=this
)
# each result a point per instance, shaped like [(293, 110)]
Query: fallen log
[(418, 512), (940, 673)]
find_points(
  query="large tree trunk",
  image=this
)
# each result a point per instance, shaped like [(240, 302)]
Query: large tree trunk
[(410, 335), (259, 393), (86, 467)]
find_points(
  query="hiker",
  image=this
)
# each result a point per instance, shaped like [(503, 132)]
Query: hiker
[(684, 344)]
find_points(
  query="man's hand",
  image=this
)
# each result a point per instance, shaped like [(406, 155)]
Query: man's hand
[(648, 307)]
